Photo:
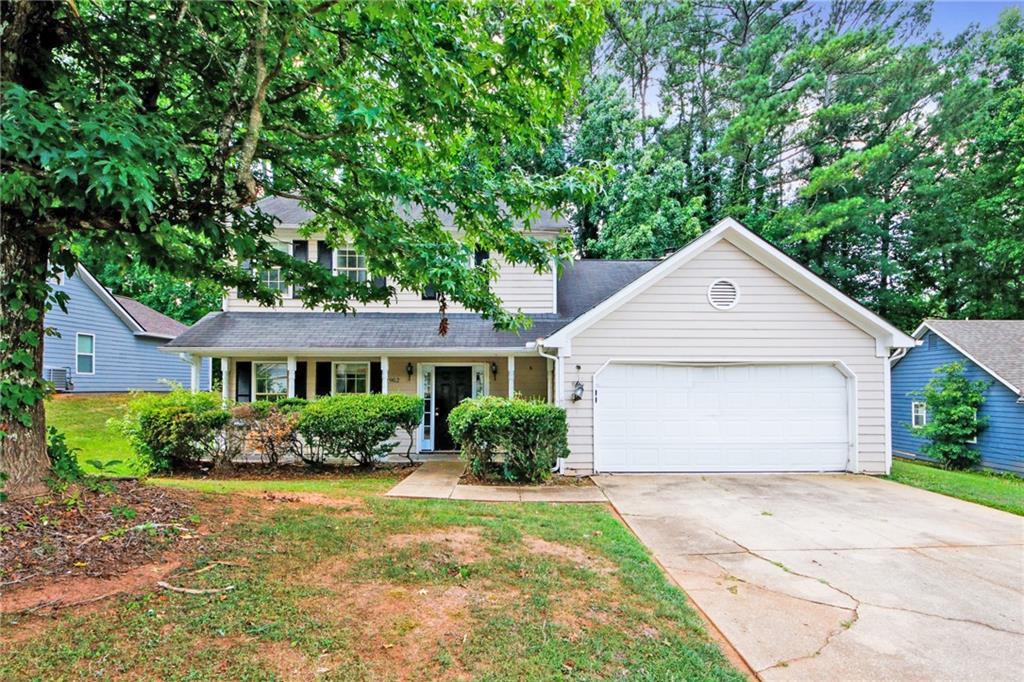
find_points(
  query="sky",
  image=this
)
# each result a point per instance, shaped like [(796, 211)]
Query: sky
[(950, 17)]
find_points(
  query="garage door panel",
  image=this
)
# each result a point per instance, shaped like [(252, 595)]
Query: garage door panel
[(673, 417)]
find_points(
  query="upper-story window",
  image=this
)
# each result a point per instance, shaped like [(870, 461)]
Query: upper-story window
[(351, 264), (272, 277)]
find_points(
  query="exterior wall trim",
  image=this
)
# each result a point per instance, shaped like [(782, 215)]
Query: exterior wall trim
[(853, 420)]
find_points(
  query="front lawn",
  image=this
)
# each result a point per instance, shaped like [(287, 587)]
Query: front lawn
[(83, 419), (1004, 492), (380, 588)]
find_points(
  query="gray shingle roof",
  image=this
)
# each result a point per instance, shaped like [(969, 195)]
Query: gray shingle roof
[(300, 330), (290, 212), (996, 344), (150, 320), (583, 285)]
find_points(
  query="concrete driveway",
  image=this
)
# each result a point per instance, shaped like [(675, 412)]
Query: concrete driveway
[(822, 577)]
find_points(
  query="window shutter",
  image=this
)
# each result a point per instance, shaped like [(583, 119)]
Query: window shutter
[(480, 255), (243, 382), (324, 255), (300, 252), (376, 380), (323, 379), (300, 379), (380, 281), (430, 293)]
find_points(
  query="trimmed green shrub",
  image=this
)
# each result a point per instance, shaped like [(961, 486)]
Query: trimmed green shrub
[(530, 435), (359, 426), (952, 403), (177, 428)]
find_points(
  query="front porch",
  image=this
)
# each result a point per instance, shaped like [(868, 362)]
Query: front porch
[(441, 380)]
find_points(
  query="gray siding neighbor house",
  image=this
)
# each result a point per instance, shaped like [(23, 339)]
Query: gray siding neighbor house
[(111, 343)]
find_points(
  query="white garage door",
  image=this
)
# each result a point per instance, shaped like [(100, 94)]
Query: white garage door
[(721, 418)]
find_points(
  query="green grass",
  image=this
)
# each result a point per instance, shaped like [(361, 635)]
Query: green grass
[(410, 589), (1000, 491), (83, 419)]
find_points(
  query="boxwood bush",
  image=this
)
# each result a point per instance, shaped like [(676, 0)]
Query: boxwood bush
[(173, 429), (528, 435), (359, 426)]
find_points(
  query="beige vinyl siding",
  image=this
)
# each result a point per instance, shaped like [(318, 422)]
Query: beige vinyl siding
[(532, 377), (518, 286), (772, 320)]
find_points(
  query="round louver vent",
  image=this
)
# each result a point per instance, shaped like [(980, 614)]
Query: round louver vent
[(723, 294)]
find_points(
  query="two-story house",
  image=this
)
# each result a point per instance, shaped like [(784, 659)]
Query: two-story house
[(725, 356)]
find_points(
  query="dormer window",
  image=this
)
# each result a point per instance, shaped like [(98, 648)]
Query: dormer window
[(351, 264)]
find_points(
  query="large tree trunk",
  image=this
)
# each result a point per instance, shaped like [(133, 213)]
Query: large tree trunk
[(23, 266)]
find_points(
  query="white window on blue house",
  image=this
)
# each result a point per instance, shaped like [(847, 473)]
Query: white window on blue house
[(85, 354), (918, 414), (351, 377), (270, 380), (974, 441)]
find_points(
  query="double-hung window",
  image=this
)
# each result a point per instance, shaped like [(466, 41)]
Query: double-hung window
[(351, 377), (270, 380), (918, 414), (351, 264), (85, 354), (272, 277)]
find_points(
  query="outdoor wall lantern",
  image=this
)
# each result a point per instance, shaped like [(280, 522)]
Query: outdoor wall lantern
[(494, 370), (409, 369), (577, 391)]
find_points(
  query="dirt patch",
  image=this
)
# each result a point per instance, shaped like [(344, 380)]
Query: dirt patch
[(556, 481), (402, 628), (79, 591), (96, 533), (571, 553), (464, 544), (344, 503), (288, 662)]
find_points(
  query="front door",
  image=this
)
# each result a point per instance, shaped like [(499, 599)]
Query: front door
[(452, 385)]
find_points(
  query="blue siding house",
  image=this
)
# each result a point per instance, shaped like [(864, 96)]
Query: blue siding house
[(111, 343), (990, 350)]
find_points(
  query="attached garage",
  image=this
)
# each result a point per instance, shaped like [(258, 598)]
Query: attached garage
[(727, 356), (733, 417)]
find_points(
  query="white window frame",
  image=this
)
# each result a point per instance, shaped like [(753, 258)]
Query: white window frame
[(914, 413), (254, 387), (288, 247), (334, 375), (92, 355), (974, 441), (339, 270)]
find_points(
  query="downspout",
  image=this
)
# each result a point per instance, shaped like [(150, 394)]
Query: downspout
[(559, 467)]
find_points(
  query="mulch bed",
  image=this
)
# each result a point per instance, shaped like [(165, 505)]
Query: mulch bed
[(555, 481), (91, 532), (254, 471)]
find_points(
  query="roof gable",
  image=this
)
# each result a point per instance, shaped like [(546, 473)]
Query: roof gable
[(886, 335), (996, 346), (140, 319)]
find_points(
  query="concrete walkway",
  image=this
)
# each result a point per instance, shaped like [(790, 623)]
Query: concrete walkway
[(440, 480), (821, 577)]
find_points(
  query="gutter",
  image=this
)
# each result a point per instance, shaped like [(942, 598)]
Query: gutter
[(539, 345)]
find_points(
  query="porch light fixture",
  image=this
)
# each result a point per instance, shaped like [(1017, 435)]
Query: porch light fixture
[(577, 391), (409, 369), (494, 370)]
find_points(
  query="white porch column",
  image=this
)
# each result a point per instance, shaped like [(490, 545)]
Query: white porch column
[(197, 364), (383, 374), (224, 385), (511, 375), (291, 376)]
